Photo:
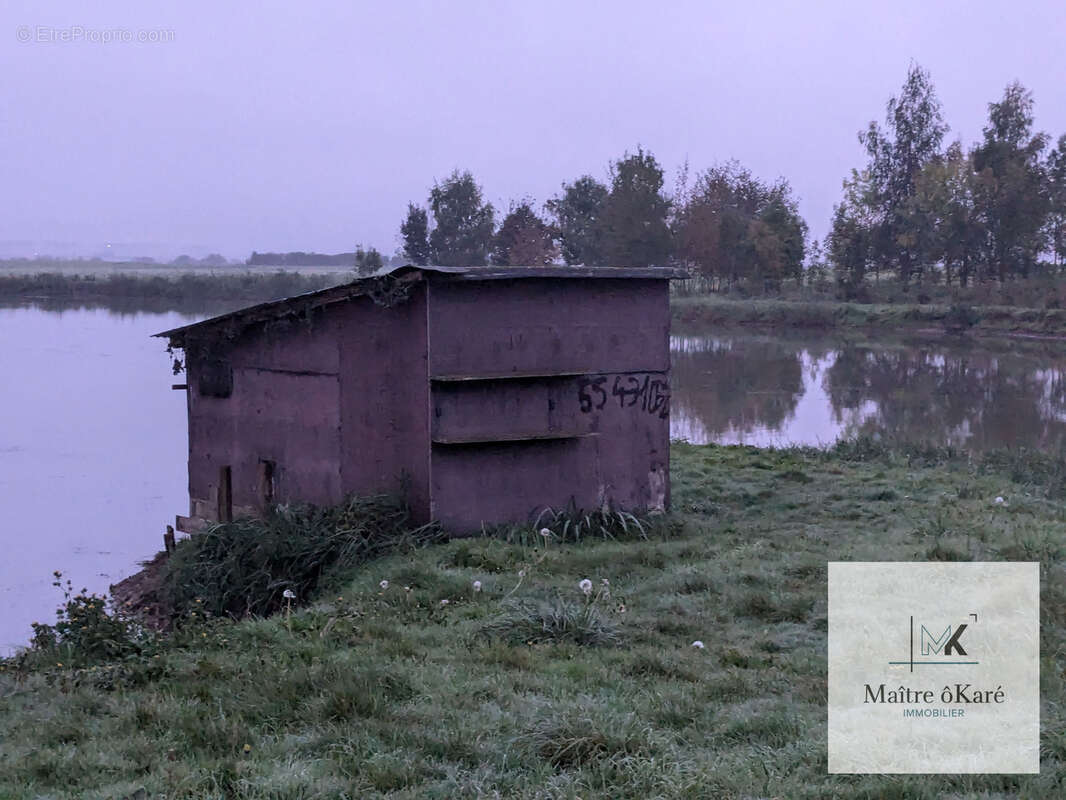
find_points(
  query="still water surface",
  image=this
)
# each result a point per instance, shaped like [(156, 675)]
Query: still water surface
[(93, 440), (780, 390), (92, 454)]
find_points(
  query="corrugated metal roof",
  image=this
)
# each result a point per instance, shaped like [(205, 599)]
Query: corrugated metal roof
[(302, 303)]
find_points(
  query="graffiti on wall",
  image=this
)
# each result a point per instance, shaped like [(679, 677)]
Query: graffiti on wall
[(641, 391)]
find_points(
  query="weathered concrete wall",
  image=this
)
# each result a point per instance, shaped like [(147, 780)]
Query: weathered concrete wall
[(595, 420)]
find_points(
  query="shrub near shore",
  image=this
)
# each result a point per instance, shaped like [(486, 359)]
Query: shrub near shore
[(482, 666)]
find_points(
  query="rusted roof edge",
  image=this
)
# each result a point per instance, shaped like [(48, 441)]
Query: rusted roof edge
[(271, 309), (301, 303), (505, 273)]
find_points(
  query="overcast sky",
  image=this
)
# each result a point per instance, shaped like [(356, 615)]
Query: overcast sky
[(309, 126)]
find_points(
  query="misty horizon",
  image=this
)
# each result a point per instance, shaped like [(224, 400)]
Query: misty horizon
[(311, 130)]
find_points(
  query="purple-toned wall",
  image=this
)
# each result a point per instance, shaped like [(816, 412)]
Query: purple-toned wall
[(486, 401), (337, 404), (548, 393), (385, 399), (545, 326), (284, 408)]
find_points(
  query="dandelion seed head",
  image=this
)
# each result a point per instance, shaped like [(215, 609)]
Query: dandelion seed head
[(1000, 501), (545, 532), (586, 586), (698, 644), (477, 586), (444, 602), (289, 594), (385, 584)]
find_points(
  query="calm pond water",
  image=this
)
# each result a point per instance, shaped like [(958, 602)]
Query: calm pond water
[(781, 390), (93, 440), (92, 454)]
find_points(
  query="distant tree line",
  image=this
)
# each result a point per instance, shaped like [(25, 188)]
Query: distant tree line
[(924, 213), (299, 259), (210, 260), (363, 260), (729, 225), (917, 213)]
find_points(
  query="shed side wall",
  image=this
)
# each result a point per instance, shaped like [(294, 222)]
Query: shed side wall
[(546, 326), (385, 399), (283, 408), (592, 405)]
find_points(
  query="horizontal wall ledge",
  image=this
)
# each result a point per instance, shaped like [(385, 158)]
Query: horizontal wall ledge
[(509, 437), (505, 376), (526, 376)]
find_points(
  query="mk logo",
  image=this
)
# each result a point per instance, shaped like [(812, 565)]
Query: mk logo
[(945, 644), (934, 644)]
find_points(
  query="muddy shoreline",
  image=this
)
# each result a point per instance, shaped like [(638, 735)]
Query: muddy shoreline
[(140, 595)]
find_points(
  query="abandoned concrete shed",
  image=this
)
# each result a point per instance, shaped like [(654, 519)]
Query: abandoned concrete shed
[(484, 394)]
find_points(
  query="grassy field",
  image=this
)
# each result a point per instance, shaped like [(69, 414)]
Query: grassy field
[(526, 688), (834, 315)]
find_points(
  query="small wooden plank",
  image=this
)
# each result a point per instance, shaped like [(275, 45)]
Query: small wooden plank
[(224, 513), (508, 376), (189, 524), (508, 437)]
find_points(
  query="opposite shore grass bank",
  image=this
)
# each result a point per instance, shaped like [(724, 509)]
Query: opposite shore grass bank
[(170, 289), (481, 668), (175, 291), (829, 315)]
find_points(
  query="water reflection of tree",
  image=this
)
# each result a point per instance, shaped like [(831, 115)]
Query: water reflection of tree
[(736, 385), (967, 398)]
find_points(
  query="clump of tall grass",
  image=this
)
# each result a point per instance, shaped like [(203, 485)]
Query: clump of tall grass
[(573, 524), (247, 567), (774, 608), (580, 737), (556, 621)]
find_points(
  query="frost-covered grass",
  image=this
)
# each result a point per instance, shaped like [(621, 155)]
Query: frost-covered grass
[(532, 688)]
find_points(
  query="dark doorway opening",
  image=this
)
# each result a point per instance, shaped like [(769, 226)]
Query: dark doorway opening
[(267, 485), (225, 495)]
